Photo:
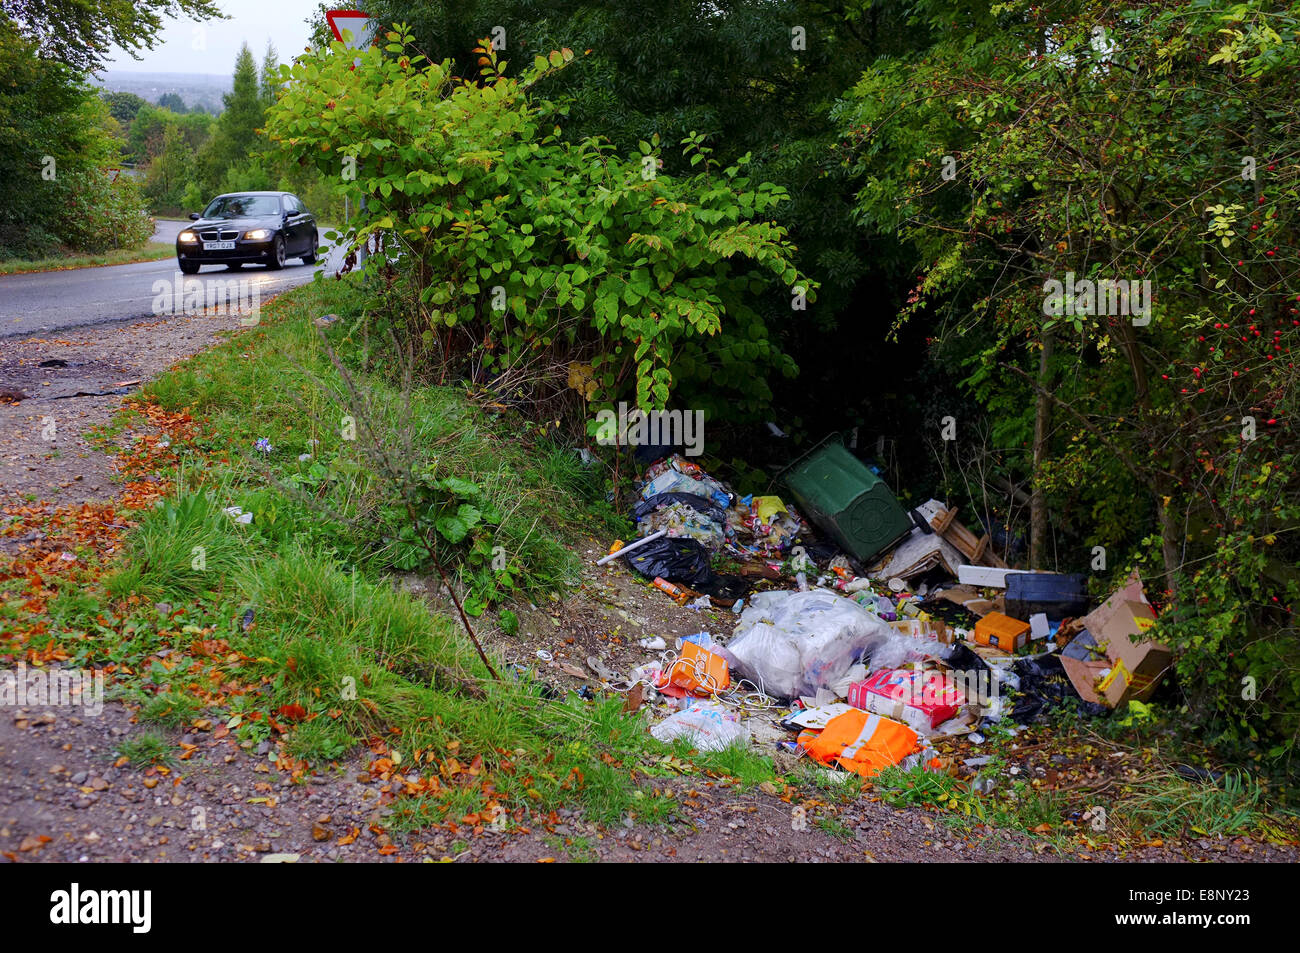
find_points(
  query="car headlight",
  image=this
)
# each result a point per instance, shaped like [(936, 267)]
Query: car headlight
[(258, 234), (187, 237)]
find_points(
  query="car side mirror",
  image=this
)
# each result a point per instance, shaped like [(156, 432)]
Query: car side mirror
[(194, 216)]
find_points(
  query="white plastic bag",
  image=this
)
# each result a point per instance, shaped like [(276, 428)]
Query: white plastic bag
[(708, 726), (793, 643)]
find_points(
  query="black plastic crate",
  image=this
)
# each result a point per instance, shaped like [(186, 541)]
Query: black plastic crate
[(1057, 595)]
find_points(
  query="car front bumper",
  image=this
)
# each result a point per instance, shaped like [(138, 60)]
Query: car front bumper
[(245, 252)]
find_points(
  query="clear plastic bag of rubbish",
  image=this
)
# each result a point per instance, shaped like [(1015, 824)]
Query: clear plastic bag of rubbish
[(707, 725), (677, 475), (793, 643), (899, 649), (685, 522)]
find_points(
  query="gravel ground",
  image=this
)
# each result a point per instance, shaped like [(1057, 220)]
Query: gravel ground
[(44, 451), (68, 798)]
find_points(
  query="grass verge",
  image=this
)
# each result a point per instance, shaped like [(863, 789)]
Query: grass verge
[(270, 573), (153, 251)]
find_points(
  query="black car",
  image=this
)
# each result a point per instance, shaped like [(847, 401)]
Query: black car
[(244, 228)]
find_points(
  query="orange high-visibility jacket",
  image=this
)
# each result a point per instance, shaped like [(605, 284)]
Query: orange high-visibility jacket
[(861, 742)]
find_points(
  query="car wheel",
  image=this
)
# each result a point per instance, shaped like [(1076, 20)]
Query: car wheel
[(234, 266), (188, 267), (277, 254), (310, 257)]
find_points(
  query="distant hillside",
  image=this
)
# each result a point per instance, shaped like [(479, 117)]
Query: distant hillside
[(194, 88)]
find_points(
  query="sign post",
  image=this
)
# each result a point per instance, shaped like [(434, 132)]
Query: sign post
[(359, 25), (356, 30)]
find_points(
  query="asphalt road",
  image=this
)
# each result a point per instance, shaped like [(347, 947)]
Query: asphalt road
[(54, 301)]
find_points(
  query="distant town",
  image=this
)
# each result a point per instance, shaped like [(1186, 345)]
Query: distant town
[(201, 92)]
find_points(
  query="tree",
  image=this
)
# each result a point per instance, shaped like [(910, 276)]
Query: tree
[(82, 33), (270, 78), (757, 77), (1047, 164), (170, 172), (54, 148), (540, 263), (144, 138), (173, 102), (235, 136), (123, 106)]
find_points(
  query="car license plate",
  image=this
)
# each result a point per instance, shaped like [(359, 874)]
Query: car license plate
[(218, 246)]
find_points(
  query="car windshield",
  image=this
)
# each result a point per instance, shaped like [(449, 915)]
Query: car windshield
[(243, 206)]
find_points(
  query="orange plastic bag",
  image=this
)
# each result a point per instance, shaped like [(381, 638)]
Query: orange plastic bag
[(860, 742), (699, 671)]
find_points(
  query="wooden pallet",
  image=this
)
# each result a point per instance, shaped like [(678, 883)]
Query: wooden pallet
[(977, 549)]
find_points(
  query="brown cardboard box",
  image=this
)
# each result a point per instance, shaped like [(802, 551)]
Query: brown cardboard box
[(1134, 664), (969, 598)]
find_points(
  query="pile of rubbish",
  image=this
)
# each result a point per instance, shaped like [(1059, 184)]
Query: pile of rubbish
[(864, 632)]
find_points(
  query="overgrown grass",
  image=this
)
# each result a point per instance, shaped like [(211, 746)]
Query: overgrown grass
[(300, 605), (740, 762), (180, 548), (336, 498), (146, 748), (1164, 804), (1021, 807)]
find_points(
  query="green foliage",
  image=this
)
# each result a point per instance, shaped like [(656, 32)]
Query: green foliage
[(55, 146), (475, 483), (173, 102), (1239, 658), (1026, 147), (181, 547), (268, 83), (1021, 807), (171, 173), (145, 749), (528, 249), (83, 33), (753, 77), (123, 106), (1167, 805), (235, 135), (100, 214)]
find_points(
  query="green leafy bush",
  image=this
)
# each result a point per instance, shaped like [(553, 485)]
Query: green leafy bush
[(542, 262), (101, 214)]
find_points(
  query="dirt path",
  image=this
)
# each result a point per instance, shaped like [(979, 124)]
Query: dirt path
[(45, 453)]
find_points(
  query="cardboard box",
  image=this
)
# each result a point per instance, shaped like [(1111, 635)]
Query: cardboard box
[(1133, 665), (968, 597), (923, 629), (699, 671), (1001, 632)]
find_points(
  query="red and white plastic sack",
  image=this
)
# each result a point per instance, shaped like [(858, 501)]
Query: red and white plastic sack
[(922, 700)]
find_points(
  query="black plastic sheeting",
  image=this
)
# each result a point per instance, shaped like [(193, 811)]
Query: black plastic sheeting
[(727, 588), (1044, 687), (684, 561), (648, 453)]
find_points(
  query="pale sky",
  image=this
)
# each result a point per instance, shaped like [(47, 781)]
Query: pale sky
[(188, 46)]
